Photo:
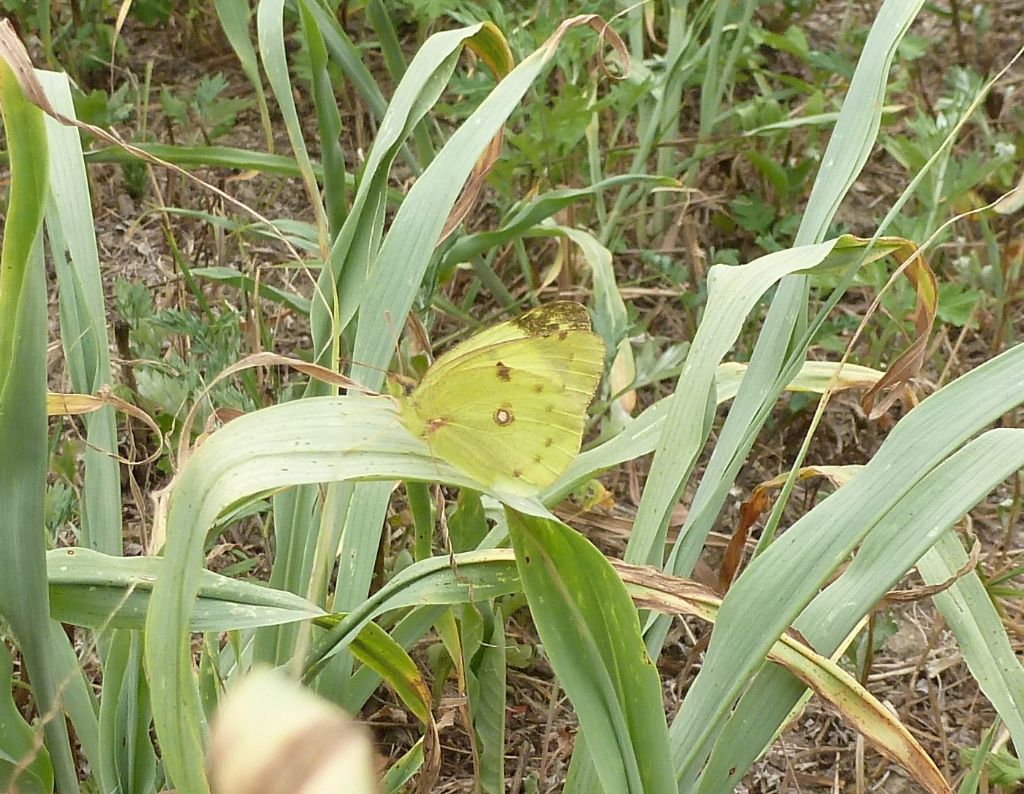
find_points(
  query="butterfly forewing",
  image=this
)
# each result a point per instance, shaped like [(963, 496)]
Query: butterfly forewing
[(551, 321)]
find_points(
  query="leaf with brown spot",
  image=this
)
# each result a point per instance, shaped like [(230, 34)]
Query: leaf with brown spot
[(909, 363)]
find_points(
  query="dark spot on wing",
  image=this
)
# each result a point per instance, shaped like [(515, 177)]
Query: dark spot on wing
[(538, 459), (548, 442), (435, 424), (538, 387), (504, 372), (503, 416), (550, 408), (517, 473)]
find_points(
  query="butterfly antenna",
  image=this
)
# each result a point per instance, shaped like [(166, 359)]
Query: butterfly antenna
[(415, 328)]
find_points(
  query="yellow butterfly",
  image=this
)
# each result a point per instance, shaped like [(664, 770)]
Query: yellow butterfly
[(508, 405)]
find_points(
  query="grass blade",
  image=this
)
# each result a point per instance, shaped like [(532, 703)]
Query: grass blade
[(270, 30), (125, 717), (234, 19), (795, 566), (732, 293), (328, 123), (24, 764), (23, 434), (980, 633), (126, 752), (399, 267), (936, 504), (844, 156), (70, 230), (485, 686)]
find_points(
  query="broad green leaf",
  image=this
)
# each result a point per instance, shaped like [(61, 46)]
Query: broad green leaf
[(591, 634), (71, 234), (88, 588), (375, 648), (126, 758), (125, 717), (782, 341), (335, 302), (968, 610), (477, 575), (857, 707), (397, 271), (328, 121), (406, 633), (349, 57), (301, 442), (401, 772), (339, 287), (608, 307), (485, 687)]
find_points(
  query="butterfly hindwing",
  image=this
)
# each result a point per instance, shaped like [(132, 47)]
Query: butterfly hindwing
[(508, 406), (519, 441)]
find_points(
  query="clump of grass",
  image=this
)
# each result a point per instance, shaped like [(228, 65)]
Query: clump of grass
[(511, 164)]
